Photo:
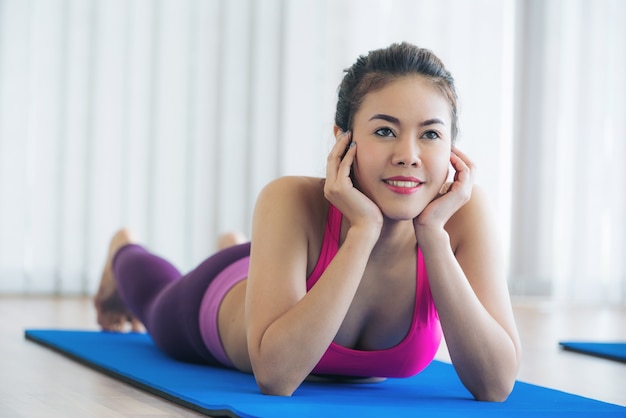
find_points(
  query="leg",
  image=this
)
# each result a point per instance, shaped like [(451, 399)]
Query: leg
[(173, 319), (167, 304)]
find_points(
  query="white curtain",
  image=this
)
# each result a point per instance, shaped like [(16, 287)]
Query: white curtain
[(569, 192), (169, 116)]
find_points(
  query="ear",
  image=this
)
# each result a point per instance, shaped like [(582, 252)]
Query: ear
[(336, 130)]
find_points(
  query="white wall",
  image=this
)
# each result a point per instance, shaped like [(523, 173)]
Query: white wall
[(169, 116)]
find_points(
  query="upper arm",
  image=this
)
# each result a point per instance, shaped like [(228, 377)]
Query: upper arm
[(478, 249), (278, 262)]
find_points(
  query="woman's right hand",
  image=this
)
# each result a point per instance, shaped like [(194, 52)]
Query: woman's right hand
[(339, 188)]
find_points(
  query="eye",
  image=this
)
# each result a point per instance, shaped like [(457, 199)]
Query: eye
[(430, 135), (386, 132)]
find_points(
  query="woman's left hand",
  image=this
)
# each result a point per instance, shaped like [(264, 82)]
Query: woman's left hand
[(451, 197)]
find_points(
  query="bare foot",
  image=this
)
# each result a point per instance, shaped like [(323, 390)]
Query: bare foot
[(112, 313), (229, 239)]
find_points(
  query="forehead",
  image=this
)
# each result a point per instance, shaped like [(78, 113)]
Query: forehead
[(411, 97)]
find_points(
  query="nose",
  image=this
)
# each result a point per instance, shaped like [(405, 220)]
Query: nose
[(406, 153)]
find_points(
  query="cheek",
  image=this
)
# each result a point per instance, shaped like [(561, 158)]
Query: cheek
[(364, 170), (441, 167), (365, 160)]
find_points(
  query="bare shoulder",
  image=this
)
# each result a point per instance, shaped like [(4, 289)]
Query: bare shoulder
[(300, 196), (474, 218), (294, 186), (291, 212)]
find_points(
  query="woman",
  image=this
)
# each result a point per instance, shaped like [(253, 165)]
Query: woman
[(354, 275)]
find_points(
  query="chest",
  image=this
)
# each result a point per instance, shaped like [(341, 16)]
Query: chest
[(381, 312)]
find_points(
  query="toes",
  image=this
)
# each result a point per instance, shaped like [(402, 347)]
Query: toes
[(136, 325), (110, 321), (118, 322)]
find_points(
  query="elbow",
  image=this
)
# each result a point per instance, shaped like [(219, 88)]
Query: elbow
[(497, 386), (273, 377), (275, 390), (273, 383), (494, 392), (274, 387)]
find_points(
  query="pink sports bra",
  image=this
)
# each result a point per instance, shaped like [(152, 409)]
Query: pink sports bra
[(407, 358)]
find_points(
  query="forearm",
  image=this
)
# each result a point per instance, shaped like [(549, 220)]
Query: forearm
[(484, 353), (294, 343)]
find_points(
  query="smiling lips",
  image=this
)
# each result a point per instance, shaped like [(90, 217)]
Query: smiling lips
[(403, 185)]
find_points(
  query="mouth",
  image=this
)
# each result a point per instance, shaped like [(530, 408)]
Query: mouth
[(403, 185)]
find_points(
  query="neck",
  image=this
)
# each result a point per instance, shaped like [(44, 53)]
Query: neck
[(394, 237)]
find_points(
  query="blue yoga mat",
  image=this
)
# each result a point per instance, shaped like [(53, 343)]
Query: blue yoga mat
[(609, 350), (436, 392)]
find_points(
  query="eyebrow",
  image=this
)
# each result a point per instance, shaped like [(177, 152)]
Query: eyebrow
[(395, 120)]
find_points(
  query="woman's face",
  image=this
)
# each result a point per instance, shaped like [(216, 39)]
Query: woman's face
[(403, 149)]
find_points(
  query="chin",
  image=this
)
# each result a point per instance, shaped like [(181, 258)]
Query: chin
[(403, 214)]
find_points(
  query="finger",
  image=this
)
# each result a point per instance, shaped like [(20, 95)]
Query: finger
[(445, 188), (336, 154), (343, 140), (463, 177), (338, 149), (463, 157), (457, 163), (462, 174), (462, 165), (347, 161)]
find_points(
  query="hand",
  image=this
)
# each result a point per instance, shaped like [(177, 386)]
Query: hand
[(339, 189), (451, 197)]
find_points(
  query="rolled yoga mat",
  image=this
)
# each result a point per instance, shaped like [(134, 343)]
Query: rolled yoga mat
[(436, 392), (609, 350)]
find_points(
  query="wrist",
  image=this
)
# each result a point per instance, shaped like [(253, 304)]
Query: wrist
[(431, 235), (365, 234)]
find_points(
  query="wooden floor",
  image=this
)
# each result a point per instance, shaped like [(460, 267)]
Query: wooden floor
[(37, 382)]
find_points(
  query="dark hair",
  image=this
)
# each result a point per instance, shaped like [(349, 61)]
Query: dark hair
[(379, 67)]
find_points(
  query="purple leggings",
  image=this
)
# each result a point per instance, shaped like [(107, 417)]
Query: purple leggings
[(168, 303)]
